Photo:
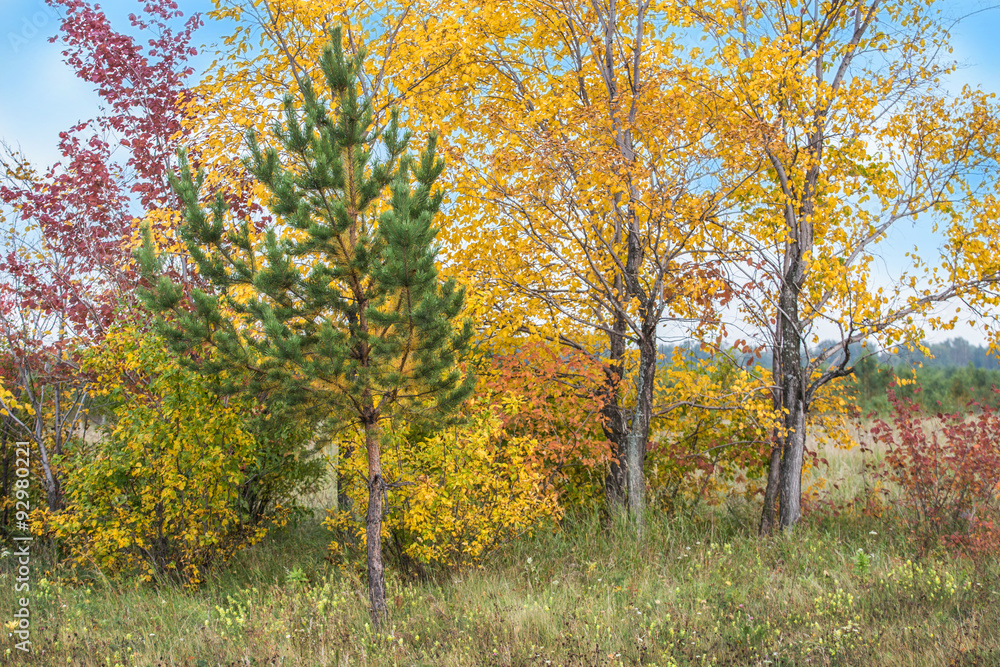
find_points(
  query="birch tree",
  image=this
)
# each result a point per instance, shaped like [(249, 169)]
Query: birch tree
[(862, 137)]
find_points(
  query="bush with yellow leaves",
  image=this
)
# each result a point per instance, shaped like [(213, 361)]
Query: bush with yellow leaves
[(713, 437), (711, 440), (158, 495), (457, 493)]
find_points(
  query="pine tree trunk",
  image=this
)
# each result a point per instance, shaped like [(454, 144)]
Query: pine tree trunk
[(376, 494)]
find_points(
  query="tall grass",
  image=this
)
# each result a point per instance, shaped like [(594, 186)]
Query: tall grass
[(841, 589)]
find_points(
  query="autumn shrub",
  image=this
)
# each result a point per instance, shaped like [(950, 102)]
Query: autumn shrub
[(558, 394), (948, 470), (711, 438), (285, 464), (456, 494), (159, 495)]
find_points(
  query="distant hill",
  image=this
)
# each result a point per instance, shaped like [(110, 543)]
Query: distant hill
[(952, 353)]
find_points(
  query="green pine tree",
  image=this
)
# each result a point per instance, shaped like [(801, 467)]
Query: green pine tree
[(342, 308)]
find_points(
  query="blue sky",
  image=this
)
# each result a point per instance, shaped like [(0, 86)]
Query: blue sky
[(40, 96)]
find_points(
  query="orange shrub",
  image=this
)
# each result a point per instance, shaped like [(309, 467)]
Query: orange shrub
[(557, 391)]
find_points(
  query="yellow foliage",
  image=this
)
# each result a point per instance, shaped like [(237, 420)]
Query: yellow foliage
[(576, 151), (854, 147), (9, 403), (532, 132), (458, 493), (158, 495)]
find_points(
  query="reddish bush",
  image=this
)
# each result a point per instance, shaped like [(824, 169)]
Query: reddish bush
[(948, 469), (560, 407)]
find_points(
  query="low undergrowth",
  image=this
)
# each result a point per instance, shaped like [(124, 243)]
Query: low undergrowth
[(840, 590)]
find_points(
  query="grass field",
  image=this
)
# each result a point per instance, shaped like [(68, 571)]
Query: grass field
[(698, 589)]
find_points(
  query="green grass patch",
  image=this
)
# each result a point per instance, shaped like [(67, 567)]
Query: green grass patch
[(696, 590)]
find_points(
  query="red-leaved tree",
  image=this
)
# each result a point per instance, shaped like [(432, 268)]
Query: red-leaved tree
[(66, 264)]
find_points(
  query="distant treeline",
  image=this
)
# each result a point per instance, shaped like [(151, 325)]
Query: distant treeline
[(955, 375), (953, 353), (934, 388)]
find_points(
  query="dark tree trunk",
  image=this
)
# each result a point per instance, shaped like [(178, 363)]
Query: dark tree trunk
[(638, 436), (784, 479), (6, 476), (342, 481), (791, 463), (373, 532), (768, 516), (613, 421)]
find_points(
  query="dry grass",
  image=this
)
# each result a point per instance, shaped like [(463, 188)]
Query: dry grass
[(839, 590)]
